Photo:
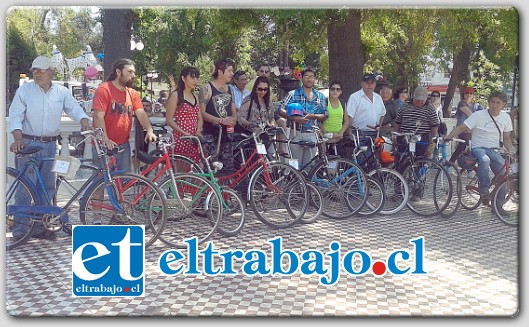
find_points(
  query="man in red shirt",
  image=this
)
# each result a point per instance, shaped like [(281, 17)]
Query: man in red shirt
[(113, 105)]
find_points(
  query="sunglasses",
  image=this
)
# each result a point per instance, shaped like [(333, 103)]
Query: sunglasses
[(336, 89), (435, 95), (262, 89), (264, 71)]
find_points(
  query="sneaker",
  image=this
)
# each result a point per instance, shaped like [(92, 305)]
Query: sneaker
[(485, 199), (46, 235), (415, 198)]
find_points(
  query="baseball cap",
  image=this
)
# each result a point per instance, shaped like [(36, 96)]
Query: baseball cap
[(469, 89), (369, 77), (41, 62), (420, 93)]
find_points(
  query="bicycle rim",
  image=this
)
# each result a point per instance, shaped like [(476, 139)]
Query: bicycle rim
[(343, 186), (278, 195), (194, 210), (315, 206), (233, 213), (506, 202), (21, 193), (375, 199), (426, 197), (457, 189), (470, 198), (396, 190), (142, 201)]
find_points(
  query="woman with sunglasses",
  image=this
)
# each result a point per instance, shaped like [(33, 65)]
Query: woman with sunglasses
[(256, 108), (338, 120), (465, 108)]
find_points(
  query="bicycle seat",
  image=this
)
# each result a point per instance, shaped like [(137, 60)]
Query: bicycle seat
[(146, 158), (274, 131), (305, 144), (29, 150)]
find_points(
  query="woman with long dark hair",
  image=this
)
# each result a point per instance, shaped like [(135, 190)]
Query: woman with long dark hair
[(183, 113), (256, 107)]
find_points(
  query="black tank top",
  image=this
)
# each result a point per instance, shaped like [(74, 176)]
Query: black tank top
[(219, 105)]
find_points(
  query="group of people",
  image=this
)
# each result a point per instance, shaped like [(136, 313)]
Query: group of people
[(229, 99)]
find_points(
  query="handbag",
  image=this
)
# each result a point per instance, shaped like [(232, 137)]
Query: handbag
[(238, 127)]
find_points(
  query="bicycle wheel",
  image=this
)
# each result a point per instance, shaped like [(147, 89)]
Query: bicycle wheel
[(315, 207), (343, 186), (233, 213), (426, 197), (194, 210), (18, 192), (67, 188), (506, 201), (457, 189), (278, 195), (470, 199), (375, 199), (142, 201), (396, 189)]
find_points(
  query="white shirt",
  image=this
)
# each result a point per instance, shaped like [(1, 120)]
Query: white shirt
[(38, 113), (484, 132), (365, 112), (238, 95)]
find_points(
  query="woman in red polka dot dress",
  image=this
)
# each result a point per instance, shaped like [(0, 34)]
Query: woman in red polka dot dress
[(183, 114)]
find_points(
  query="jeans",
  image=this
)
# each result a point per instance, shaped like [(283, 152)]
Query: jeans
[(49, 150), (487, 157), (365, 140)]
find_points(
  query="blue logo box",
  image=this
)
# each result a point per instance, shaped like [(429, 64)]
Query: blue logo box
[(108, 261)]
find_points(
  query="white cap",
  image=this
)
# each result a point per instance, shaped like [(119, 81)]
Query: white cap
[(41, 62)]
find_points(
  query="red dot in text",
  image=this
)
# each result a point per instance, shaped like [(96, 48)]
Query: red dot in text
[(379, 268)]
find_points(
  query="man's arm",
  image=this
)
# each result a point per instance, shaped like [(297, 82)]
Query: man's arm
[(456, 131), (204, 95), (99, 122), (507, 142), (142, 117)]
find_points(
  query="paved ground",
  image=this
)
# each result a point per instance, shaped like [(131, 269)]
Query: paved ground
[(472, 262)]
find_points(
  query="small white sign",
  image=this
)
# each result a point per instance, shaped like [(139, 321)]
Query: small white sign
[(412, 146), (333, 164), (261, 149), (61, 166), (293, 163)]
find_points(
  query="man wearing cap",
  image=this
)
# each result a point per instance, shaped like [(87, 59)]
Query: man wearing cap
[(314, 106), (465, 108), (420, 118), (35, 120), (366, 110)]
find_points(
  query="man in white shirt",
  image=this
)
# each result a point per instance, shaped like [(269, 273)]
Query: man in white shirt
[(238, 88), (35, 120), (365, 107), (491, 131)]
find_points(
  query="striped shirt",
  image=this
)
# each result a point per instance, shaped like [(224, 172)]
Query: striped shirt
[(409, 115)]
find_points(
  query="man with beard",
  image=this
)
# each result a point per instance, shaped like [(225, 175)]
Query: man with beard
[(313, 105), (114, 103)]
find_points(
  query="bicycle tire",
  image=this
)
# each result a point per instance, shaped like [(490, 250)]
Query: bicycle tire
[(144, 204), (282, 203), (344, 197), (67, 188), (470, 198), (375, 199), (457, 189), (233, 213), (189, 210), (315, 207), (505, 201), (396, 189), (421, 179), (25, 189)]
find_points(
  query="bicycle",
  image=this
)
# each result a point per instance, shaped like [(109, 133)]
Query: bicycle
[(195, 206), (276, 192), (343, 185), (121, 198), (430, 185)]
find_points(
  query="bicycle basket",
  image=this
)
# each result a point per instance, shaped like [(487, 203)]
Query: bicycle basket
[(466, 161)]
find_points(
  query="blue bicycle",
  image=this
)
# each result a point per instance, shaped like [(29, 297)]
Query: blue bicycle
[(105, 198)]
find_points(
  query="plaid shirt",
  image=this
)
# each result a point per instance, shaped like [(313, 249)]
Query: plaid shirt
[(318, 104)]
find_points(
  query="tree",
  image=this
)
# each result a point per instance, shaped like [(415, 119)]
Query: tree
[(117, 24)]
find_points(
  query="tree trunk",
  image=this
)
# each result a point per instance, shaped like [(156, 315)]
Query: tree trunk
[(117, 24), (346, 52), (459, 73)]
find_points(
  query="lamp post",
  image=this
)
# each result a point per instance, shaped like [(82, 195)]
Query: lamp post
[(152, 76), (138, 46)]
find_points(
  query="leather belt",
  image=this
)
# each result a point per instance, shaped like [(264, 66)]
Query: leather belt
[(43, 139)]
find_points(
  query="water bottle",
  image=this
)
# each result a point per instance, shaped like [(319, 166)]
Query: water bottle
[(230, 129)]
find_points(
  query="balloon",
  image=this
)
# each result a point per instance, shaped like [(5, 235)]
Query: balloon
[(90, 72)]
